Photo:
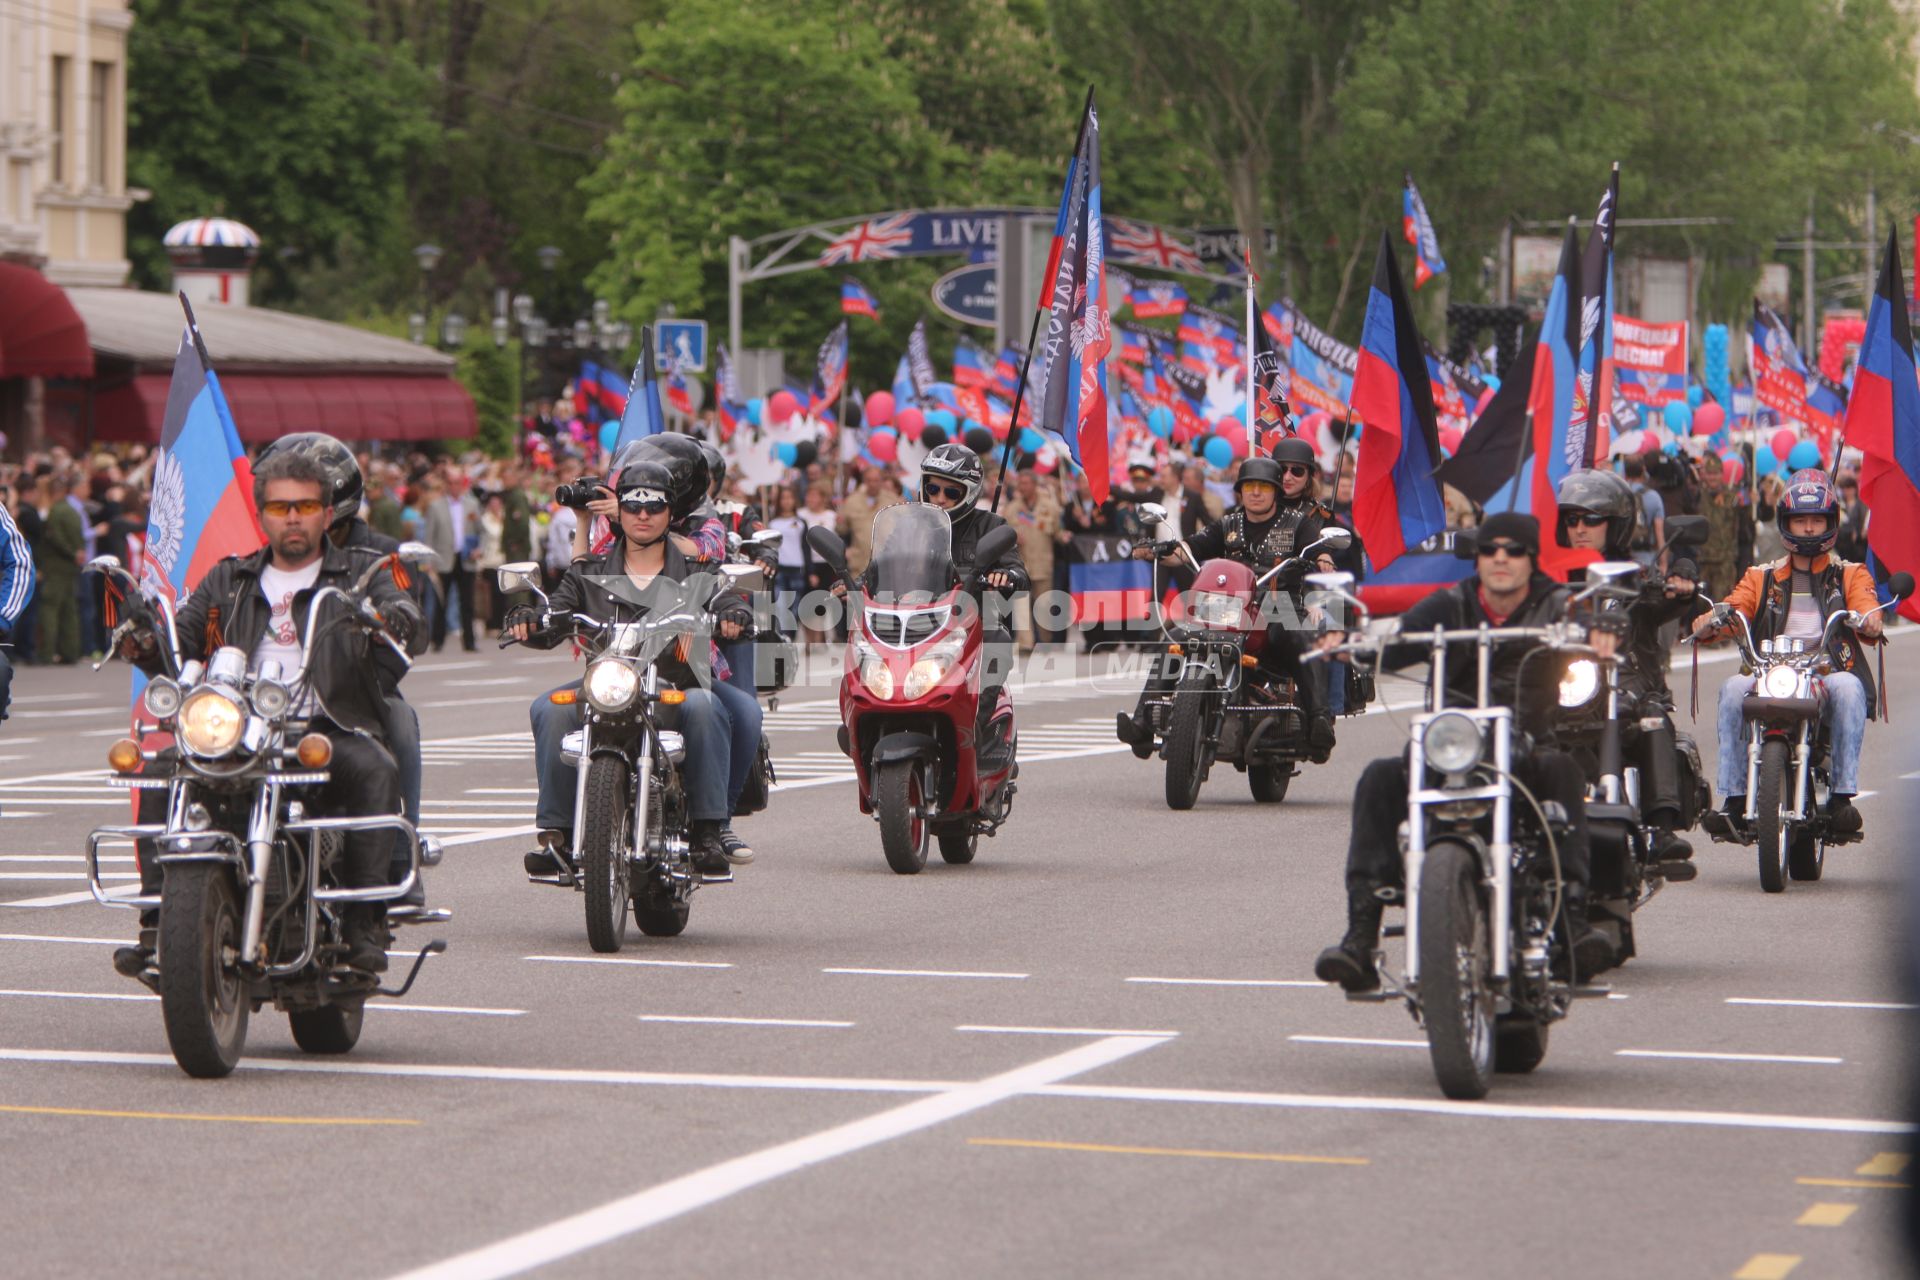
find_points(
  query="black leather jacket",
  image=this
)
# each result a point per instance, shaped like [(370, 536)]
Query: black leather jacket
[(967, 533), (1458, 607), (598, 587)]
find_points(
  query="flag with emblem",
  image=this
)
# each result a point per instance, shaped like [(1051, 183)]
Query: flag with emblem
[(1557, 448), (970, 365), (1883, 422), (830, 371), (643, 416), (1152, 299), (1418, 229), (1069, 373), (1396, 501), (856, 301)]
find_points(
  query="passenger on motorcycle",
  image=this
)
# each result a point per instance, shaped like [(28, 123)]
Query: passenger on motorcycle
[(1793, 597), (620, 585), (259, 603), (1276, 514), (1597, 510), (1507, 589), (399, 720), (742, 519)]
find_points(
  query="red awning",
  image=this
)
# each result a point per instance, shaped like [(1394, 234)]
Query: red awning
[(350, 406), (41, 335)]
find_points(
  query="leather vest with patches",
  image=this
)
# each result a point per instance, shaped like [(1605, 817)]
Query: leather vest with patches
[(1262, 547)]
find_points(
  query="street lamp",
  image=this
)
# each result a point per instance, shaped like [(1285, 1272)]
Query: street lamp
[(428, 256), (453, 330)]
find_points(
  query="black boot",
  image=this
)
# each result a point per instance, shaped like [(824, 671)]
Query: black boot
[(709, 854), (1350, 962), (1320, 737), (363, 928), (1592, 952), (1135, 731), (550, 858), (1842, 817)]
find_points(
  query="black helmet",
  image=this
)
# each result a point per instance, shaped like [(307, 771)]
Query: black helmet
[(684, 461), (716, 465), (347, 487), (1599, 493), (1295, 450), (1258, 471), (643, 481), (960, 464), (1809, 493)]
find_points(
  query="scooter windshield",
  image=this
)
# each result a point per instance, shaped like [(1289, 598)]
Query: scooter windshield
[(912, 555)]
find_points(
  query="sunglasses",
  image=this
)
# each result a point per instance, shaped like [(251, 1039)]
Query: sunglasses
[(935, 489), (280, 510), (644, 507), (1585, 520), (1511, 550), (1295, 469)]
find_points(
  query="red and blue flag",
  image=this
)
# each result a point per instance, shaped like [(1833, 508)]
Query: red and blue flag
[(830, 371), (1133, 345), (1396, 502), (1152, 299), (643, 415), (970, 365), (1418, 229), (1557, 448), (612, 399), (856, 301), (1883, 422), (1006, 373), (586, 393), (1071, 374)]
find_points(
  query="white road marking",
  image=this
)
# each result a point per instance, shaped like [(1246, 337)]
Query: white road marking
[(1360, 1040), (49, 937), (470, 702), (482, 837), (667, 1200), (58, 857), (478, 1012), (654, 964), (463, 665), (484, 684), (69, 899), (744, 1022), (1824, 1004), (1066, 1031), (54, 697), (1789, 1058), (66, 875), (924, 973), (1228, 982), (126, 711), (79, 995), (371, 1004)]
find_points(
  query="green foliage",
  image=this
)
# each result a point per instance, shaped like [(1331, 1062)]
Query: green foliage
[(491, 376)]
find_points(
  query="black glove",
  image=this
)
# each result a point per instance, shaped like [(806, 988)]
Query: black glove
[(400, 626), (1292, 575), (523, 615)]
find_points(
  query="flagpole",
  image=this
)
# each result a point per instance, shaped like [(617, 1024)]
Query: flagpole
[(1013, 424), (1340, 466), (1253, 438), (1520, 460)]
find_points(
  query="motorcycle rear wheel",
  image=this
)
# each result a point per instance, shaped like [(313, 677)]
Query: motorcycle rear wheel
[(605, 824), (1456, 998), (332, 1028), (1269, 782), (899, 796), (958, 843), (203, 995), (1519, 1044), (1186, 749), (1770, 829), (1807, 855), (659, 915)]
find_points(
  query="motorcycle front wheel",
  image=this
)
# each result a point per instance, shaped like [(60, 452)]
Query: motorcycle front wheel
[(606, 827), (203, 994), (1456, 998), (1187, 739), (899, 798), (1770, 828)]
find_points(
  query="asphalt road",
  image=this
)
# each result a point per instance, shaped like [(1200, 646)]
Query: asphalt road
[(1098, 1050)]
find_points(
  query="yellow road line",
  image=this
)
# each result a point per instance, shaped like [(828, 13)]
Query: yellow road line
[(1826, 1214), (1857, 1183), (1268, 1156), (180, 1115), (1768, 1266), (1888, 1164)]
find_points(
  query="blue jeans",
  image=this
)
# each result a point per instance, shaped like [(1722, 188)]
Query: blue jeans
[(6, 680), (739, 656), (1843, 708), (703, 723), (743, 714)]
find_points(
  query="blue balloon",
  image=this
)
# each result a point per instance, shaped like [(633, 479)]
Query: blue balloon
[(1695, 394), (1679, 418), (1031, 440), (756, 410), (971, 425), (1160, 421), (1671, 448), (1764, 463), (787, 452), (945, 419), (1803, 455), (1218, 452), (609, 433), (1492, 381)]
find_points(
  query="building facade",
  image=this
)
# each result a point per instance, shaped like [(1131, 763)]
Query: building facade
[(63, 138)]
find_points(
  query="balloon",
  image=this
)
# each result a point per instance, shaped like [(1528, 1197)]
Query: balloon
[(1803, 455), (909, 422), (1694, 396), (1764, 462), (978, 439), (1708, 418), (805, 453), (1731, 469), (756, 411), (1031, 440), (1678, 416), (781, 405), (1237, 441), (880, 408), (1782, 442), (1493, 382), (786, 451), (998, 429), (1649, 441), (945, 419), (1671, 446), (932, 436), (609, 432), (884, 445), (1160, 421), (1218, 452)]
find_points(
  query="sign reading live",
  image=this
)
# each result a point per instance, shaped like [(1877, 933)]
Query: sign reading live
[(1649, 360)]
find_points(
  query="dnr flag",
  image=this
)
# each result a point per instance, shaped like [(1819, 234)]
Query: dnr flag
[(1418, 229), (856, 301), (643, 415), (1883, 422), (1070, 374), (1560, 442), (1396, 502)]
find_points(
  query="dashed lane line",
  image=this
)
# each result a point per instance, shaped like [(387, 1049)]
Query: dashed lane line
[(1788, 1059), (744, 1022), (356, 1121), (1100, 1148), (1227, 982), (1063, 1031), (1822, 1004), (925, 973), (1363, 1041), (1824, 1213), (1768, 1266), (1887, 1164), (650, 964)]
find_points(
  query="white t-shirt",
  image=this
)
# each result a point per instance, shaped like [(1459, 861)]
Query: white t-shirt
[(1803, 612), (793, 529), (281, 640)]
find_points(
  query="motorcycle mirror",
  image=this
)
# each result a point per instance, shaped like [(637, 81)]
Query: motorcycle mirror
[(768, 538), (1900, 585), (1152, 512), (100, 564), (416, 553), (1686, 531), (1337, 582), (1333, 538), (995, 543), (733, 542), (1612, 570), (745, 577), (522, 575), (1466, 546), (827, 545)]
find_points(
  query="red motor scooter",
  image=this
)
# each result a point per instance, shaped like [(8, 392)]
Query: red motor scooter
[(926, 760)]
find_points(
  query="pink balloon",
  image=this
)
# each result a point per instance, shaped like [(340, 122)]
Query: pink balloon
[(781, 405), (1649, 441), (880, 408), (1708, 418), (1731, 469), (884, 445), (1782, 443), (1237, 439), (908, 421)]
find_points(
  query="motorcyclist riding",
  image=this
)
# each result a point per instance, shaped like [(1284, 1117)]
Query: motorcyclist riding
[(1793, 597), (1597, 511), (1276, 514), (620, 584), (259, 603), (1506, 590), (742, 519)]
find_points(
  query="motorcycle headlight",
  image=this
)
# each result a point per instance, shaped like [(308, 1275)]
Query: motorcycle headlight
[(1218, 609), (210, 723), (1580, 683), (162, 698), (934, 666), (271, 699), (611, 685), (1780, 682), (1452, 743), (878, 678)]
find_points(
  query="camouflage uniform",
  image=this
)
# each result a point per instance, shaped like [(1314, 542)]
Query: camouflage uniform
[(1718, 558)]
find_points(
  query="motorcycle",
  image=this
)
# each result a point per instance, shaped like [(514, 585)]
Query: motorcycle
[(1787, 746), (911, 695), (631, 825), (1225, 706), (248, 898), (1484, 895)]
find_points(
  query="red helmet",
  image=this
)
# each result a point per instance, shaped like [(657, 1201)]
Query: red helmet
[(1809, 493)]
